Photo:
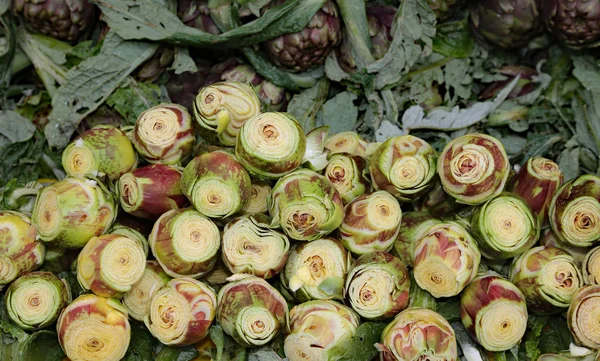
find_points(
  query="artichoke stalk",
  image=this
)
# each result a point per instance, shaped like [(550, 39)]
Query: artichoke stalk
[(150, 191), (306, 205), (537, 182), (504, 227), (185, 243), (310, 46), (101, 151), (320, 330), (181, 312), (412, 228), (252, 311), (591, 267), (94, 328), (20, 251), (418, 334), (136, 300), (494, 312), (404, 166), (349, 175), (259, 194), (583, 315), (35, 300), (271, 145), (371, 223), (221, 109), (377, 286), (110, 264), (473, 168), (251, 246), (446, 259), (71, 211), (575, 211), (316, 270), (216, 184), (548, 277), (573, 22), (347, 142), (164, 134)]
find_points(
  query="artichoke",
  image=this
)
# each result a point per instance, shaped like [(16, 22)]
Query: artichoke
[(320, 330), (591, 267), (131, 233), (310, 46), (506, 23), (348, 174), (445, 9), (183, 88), (152, 69), (196, 13), (259, 195), (583, 315), (136, 300), (576, 23), (347, 142), (412, 229), (67, 20)]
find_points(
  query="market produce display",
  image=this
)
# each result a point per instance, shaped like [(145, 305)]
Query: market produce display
[(299, 180)]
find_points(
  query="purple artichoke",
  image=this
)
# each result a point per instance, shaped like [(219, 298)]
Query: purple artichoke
[(576, 23)]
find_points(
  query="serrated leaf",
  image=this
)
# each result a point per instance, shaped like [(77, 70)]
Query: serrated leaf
[(361, 346), (14, 128), (339, 113)]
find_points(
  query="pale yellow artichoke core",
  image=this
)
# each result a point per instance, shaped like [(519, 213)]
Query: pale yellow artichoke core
[(122, 263), (317, 261), (303, 216), (508, 223), (303, 347), (137, 299), (33, 304), (196, 239), (587, 322), (370, 291), (473, 164), (581, 220), (271, 135), (94, 339), (383, 211), (215, 197), (158, 127), (211, 104), (129, 192), (501, 325), (79, 159), (408, 172), (169, 315), (345, 142), (48, 217), (545, 168), (339, 172), (258, 199), (436, 277), (258, 325), (560, 279), (591, 267), (245, 249)]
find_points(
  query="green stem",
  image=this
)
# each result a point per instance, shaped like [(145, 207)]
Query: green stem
[(357, 29)]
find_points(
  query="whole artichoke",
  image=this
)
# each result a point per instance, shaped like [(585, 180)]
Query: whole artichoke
[(67, 20), (195, 13), (309, 47), (506, 23), (576, 23)]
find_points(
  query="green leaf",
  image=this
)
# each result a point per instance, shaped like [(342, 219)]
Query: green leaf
[(40, 346), (531, 341), (14, 128), (339, 113), (449, 309), (141, 345), (168, 353), (217, 336), (362, 345), (555, 336), (183, 62), (11, 331), (332, 286), (587, 71), (568, 162), (263, 354), (454, 39), (134, 98), (304, 106)]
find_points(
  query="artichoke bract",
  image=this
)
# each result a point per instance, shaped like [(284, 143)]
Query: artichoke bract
[(548, 277), (71, 211), (418, 333), (94, 328), (506, 23), (136, 300), (346, 142), (110, 264), (216, 184), (20, 251), (494, 312), (259, 194), (574, 212), (504, 227), (101, 151), (181, 312), (271, 145), (35, 300), (582, 316), (473, 168), (378, 286), (150, 191), (310, 46), (412, 228), (164, 134), (537, 182), (591, 267), (196, 13), (371, 223), (349, 175), (252, 311), (446, 259), (316, 270), (573, 22), (404, 166), (222, 108), (251, 246), (185, 243), (320, 330), (67, 20), (306, 205)]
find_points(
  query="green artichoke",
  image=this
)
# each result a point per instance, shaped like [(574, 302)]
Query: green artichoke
[(583, 315), (576, 23)]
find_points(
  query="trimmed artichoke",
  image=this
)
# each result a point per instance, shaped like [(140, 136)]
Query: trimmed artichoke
[(418, 334), (371, 223), (378, 286), (71, 211), (320, 330), (259, 195), (136, 300), (252, 311), (413, 227), (591, 267), (310, 46), (576, 23), (583, 315), (131, 233), (404, 166), (549, 239), (306, 205), (494, 312), (181, 312), (473, 168), (349, 175), (347, 142), (548, 277)]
